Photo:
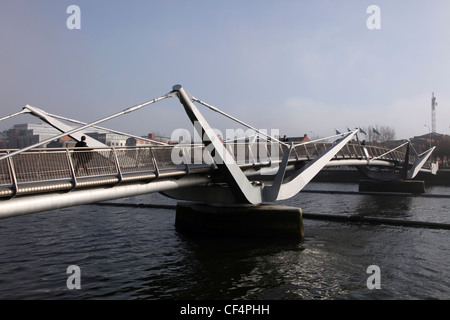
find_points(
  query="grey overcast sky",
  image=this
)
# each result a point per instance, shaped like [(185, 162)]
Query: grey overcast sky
[(297, 66)]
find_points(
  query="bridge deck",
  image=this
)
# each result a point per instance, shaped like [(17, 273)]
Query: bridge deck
[(54, 170)]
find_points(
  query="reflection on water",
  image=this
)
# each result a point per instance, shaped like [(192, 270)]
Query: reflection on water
[(387, 207), (136, 253)]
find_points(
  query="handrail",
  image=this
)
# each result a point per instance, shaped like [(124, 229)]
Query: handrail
[(64, 164), (382, 155)]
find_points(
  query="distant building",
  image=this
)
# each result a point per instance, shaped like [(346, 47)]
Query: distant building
[(24, 135), (424, 142), (133, 142), (110, 139), (64, 142), (305, 138)]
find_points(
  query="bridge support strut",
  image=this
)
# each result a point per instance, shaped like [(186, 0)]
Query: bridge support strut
[(239, 209)]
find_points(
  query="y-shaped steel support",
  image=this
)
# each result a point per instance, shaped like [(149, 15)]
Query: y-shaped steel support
[(408, 171), (244, 191), (418, 164)]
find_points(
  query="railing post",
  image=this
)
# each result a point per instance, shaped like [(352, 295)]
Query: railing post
[(317, 150), (187, 155), (296, 154), (307, 153), (119, 171), (250, 153), (154, 162), (13, 177), (72, 170), (349, 153)]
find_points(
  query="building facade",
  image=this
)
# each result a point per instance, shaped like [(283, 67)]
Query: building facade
[(109, 139), (24, 135)]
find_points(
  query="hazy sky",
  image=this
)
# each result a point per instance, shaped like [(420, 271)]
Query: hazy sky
[(297, 66)]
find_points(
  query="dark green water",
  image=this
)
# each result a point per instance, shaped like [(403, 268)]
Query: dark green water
[(136, 253)]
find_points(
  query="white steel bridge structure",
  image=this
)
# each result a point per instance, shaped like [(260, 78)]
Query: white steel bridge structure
[(250, 172)]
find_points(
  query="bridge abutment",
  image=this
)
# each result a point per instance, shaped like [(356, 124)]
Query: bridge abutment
[(401, 186), (261, 221)]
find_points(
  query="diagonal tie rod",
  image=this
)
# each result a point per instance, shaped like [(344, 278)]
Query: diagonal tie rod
[(128, 110)]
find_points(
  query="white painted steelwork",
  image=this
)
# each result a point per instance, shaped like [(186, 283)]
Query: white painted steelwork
[(34, 180), (52, 201)]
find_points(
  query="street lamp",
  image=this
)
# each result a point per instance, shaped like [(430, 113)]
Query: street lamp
[(430, 133)]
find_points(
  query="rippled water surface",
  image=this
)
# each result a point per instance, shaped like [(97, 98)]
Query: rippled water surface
[(136, 253)]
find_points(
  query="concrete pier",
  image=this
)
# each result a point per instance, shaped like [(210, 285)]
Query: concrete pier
[(401, 186), (262, 221)]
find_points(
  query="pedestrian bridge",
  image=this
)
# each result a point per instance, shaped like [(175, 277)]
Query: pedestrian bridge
[(251, 171)]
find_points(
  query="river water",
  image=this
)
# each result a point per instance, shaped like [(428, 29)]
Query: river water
[(136, 253)]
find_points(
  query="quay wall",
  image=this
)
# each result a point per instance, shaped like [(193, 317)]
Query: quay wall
[(349, 175)]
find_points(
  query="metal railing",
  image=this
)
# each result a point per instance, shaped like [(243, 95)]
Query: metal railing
[(352, 151), (41, 170), (46, 170)]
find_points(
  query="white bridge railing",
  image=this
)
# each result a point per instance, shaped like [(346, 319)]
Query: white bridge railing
[(50, 170)]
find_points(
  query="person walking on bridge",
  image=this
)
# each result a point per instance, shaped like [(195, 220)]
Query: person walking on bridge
[(82, 157)]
